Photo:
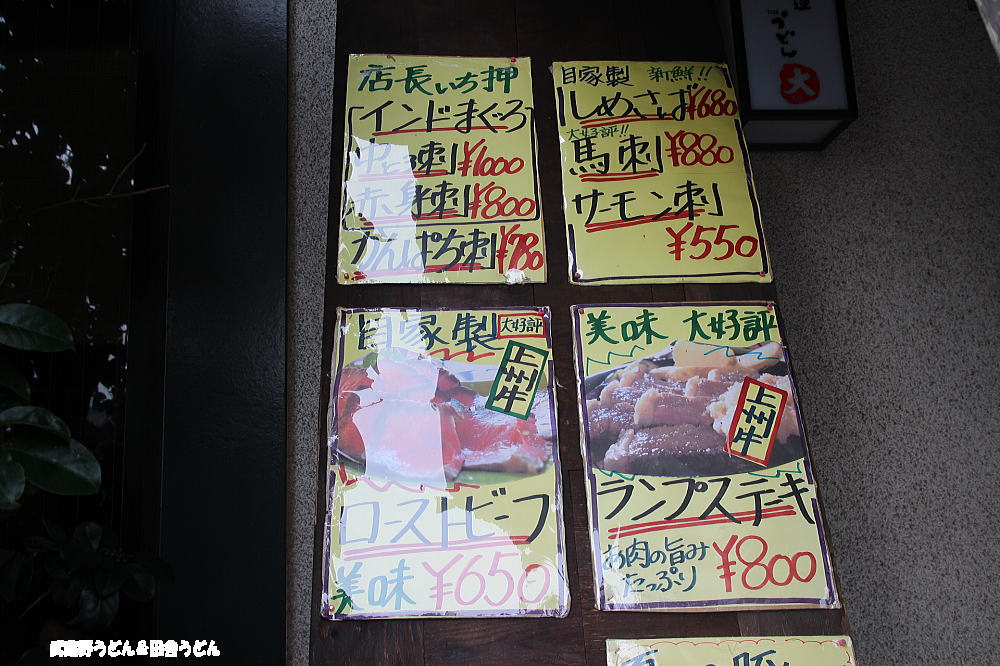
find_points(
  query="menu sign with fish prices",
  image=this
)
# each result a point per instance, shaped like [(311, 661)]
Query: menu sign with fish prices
[(737, 650), (444, 482), (656, 177), (700, 491), (440, 179)]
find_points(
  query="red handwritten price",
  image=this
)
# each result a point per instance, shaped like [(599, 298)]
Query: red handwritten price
[(692, 149), (519, 247), (744, 246), (468, 585), (478, 164), (754, 566), (708, 102), (490, 201)]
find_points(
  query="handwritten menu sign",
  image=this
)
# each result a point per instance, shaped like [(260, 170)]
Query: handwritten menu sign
[(736, 651), (444, 482), (656, 177), (440, 179), (700, 490)]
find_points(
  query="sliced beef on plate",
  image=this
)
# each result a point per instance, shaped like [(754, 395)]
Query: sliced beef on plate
[(705, 388), (657, 408), (497, 442), (677, 450), (403, 439)]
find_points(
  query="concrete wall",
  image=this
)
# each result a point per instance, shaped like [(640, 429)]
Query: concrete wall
[(886, 250), (887, 254)]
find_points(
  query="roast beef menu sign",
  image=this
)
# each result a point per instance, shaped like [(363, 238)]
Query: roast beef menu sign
[(444, 483), (700, 490), (440, 179), (656, 176)]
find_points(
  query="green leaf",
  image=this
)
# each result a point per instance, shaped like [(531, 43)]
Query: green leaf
[(55, 467), (39, 544), (36, 417), (95, 610), (24, 326), (55, 532), (11, 482), (15, 577), (154, 565), (12, 379), (141, 586), (36, 656), (109, 581), (66, 591), (8, 399), (6, 261), (88, 536)]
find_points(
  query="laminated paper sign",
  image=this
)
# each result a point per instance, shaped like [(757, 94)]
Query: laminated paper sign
[(656, 178), (700, 491), (735, 651), (444, 484), (440, 178)]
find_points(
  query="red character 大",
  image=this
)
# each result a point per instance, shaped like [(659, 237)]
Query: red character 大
[(799, 83)]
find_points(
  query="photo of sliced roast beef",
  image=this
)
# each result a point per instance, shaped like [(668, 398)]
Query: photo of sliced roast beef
[(406, 417), (496, 442)]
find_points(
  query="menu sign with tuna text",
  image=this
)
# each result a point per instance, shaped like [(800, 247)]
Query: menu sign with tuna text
[(440, 181)]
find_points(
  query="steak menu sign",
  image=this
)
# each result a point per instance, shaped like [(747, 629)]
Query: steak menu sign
[(699, 485)]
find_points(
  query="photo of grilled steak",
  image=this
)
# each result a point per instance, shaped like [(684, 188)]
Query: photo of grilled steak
[(653, 417)]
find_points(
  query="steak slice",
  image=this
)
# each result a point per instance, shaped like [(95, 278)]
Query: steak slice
[(675, 450), (655, 408)]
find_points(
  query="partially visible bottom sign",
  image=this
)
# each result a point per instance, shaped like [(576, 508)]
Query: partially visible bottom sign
[(738, 651)]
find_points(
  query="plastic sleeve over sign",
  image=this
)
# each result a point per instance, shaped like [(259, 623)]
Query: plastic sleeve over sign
[(700, 491), (657, 185), (812, 650), (444, 482), (440, 173)]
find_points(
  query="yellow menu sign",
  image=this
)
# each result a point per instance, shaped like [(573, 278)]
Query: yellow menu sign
[(444, 483), (440, 179), (700, 491), (657, 184), (735, 651)]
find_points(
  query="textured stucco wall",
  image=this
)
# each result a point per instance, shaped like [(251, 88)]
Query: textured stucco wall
[(311, 36), (886, 249), (887, 254)]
